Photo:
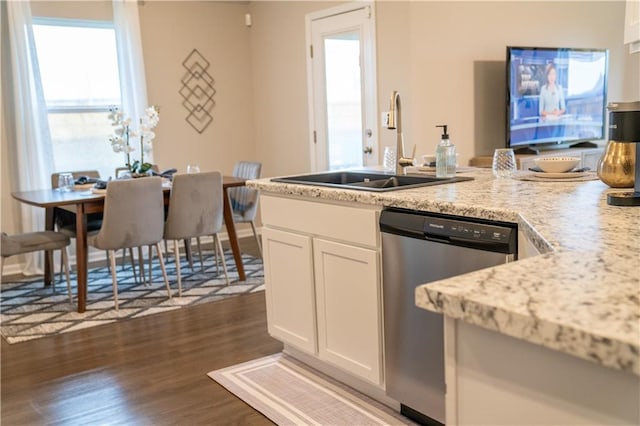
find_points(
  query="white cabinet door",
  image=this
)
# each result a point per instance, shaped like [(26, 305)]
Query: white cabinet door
[(348, 305), (288, 269)]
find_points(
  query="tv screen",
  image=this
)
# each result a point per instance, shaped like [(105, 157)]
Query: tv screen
[(556, 97)]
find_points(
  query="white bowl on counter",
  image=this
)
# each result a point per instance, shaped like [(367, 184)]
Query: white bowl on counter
[(557, 164), (429, 159)]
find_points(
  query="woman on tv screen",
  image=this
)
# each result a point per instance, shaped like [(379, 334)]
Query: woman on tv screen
[(551, 103)]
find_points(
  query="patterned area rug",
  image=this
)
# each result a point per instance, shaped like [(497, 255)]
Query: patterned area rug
[(290, 393), (30, 311)]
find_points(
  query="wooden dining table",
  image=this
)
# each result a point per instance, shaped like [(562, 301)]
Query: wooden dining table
[(85, 202)]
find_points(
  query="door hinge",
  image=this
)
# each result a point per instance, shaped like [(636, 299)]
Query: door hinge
[(315, 137), (311, 50)]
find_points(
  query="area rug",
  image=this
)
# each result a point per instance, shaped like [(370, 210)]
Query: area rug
[(29, 311), (290, 393)]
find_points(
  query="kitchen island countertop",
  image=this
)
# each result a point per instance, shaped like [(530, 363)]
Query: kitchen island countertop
[(581, 296)]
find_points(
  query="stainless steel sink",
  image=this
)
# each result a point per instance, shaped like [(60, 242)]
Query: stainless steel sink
[(367, 181)]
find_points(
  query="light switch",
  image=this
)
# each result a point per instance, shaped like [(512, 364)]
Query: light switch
[(385, 119)]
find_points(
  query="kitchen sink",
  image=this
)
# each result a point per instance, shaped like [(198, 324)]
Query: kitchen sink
[(367, 181)]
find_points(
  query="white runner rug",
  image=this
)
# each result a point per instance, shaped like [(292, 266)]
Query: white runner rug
[(289, 393)]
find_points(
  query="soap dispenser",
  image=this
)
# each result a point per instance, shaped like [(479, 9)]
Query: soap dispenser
[(445, 156)]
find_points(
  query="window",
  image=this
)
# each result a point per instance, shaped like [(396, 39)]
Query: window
[(79, 71)]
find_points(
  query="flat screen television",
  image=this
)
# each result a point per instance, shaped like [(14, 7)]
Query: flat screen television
[(556, 97)]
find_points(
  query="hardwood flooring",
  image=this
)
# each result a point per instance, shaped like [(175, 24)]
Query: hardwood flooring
[(149, 370)]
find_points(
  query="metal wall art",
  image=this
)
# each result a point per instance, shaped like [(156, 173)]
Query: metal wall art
[(197, 91)]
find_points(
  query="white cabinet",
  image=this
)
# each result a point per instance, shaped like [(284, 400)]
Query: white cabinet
[(323, 286), (495, 379), (348, 302), (289, 272)]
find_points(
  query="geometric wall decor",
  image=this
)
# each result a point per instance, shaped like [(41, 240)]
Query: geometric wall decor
[(197, 91)]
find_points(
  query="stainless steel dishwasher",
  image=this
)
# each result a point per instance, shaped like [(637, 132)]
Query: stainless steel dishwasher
[(419, 248)]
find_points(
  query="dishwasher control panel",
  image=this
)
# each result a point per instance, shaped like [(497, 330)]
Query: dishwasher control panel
[(469, 232), (466, 230)]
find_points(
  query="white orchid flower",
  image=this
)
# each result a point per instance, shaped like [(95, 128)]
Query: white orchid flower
[(121, 139)]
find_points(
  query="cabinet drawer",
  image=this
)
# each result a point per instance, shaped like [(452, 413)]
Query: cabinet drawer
[(351, 224)]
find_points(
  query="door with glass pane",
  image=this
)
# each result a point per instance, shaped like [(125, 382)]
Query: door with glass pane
[(342, 79)]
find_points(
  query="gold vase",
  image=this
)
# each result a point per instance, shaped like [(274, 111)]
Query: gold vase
[(617, 165)]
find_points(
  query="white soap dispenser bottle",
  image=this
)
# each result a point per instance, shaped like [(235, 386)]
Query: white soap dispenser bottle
[(445, 156)]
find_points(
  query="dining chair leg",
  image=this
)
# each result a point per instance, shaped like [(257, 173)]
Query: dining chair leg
[(65, 260), (49, 254), (124, 258), (200, 254), (133, 263), (187, 249), (176, 254), (164, 270), (216, 254), (150, 263), (255, 235), (143, 276), (224, 264), (114, 279), (60, 270)]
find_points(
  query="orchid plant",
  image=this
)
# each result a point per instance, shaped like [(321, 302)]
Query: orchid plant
[(124, 133)]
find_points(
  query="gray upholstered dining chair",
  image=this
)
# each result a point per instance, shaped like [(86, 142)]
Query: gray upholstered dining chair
[(195, 210), (30, 242), (133, 217), (244, 201), (65, 221)]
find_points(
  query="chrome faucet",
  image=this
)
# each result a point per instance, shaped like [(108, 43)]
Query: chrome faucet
[(395, 122)]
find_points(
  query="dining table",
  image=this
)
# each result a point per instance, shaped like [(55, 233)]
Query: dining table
[(84, 202)]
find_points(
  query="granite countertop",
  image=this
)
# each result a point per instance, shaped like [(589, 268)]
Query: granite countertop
[(581, 296)]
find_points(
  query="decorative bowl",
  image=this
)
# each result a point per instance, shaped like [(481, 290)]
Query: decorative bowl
[(557, 164)]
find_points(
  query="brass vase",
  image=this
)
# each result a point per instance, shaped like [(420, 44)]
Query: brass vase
[(617, 165)]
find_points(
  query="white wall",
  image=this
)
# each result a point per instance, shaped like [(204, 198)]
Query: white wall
[(458, 61), (170, 31), (446, 58), (278, 54)]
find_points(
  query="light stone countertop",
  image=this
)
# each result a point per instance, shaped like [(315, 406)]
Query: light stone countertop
[(581, 296)]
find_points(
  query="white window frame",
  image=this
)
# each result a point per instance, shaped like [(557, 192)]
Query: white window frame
[(94, 154), (78, 23)]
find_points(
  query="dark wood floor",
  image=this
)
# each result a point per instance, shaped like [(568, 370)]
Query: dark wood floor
[(150, 370)]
